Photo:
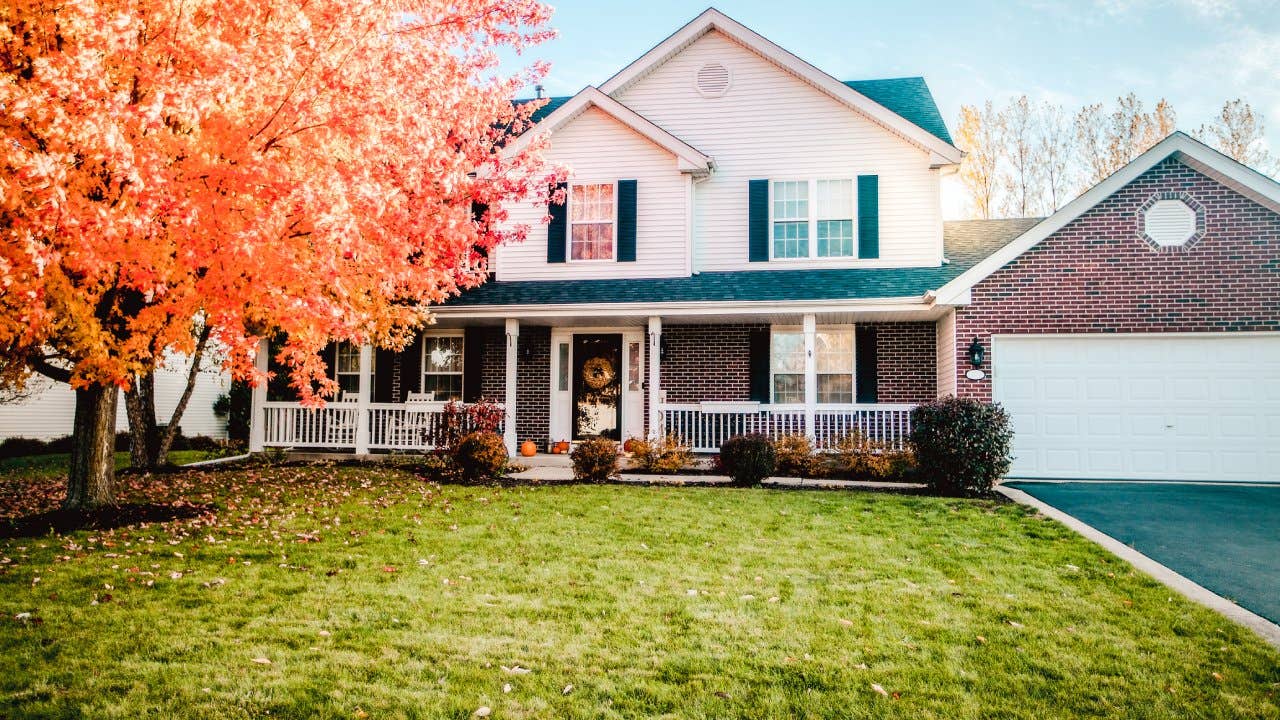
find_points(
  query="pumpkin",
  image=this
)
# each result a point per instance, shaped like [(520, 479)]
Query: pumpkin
[(561, 447), (528, 448)]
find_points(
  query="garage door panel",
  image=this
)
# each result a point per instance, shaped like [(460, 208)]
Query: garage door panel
[(1142, 406)]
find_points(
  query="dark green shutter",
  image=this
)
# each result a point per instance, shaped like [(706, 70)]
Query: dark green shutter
[(557, 227), (864, 372), (758, 342), (626, 221), (868, 216), (472, 363), (383, 374), (758, 220), (411, 369)]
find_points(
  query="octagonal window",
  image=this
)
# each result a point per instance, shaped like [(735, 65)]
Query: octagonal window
[(1169, 223)]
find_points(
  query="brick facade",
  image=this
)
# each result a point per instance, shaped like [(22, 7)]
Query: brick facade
[(907, 361), (533, 385), (1099, 275)]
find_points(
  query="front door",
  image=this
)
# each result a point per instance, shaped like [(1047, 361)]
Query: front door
[(597, 386)]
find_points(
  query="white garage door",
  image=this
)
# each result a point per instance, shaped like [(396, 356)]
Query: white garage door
[(1142, 407)]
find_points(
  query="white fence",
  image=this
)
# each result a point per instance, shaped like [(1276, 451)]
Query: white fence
[(390, 426), (705, 426)]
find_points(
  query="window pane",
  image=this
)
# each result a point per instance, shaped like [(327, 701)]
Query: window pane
[(443, 354), (348, 358), (790, 239), (633, 366), (835, 238), (835, 388), (348, 383), (562, 382), (834, 349), (788, 388), (591, 203), (835, 200), (445, 387), (791, 200), (592, 241)]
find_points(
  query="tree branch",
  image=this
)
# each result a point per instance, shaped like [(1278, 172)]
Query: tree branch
[(171, 430)]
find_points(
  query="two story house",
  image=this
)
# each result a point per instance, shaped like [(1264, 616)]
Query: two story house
[(748, 244)]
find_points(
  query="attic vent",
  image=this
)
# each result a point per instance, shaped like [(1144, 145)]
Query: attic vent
[(713, 80), (1171, 221)]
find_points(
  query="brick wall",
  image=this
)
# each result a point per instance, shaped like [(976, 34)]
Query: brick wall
[(1098, 275), (906, 366), (533, 389), (493, 363), (706, 362)]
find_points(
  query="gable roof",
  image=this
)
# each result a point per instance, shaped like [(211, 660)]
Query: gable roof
[(966, 243), (942, 151), (1179, 146), (688, 158), (908, 97)]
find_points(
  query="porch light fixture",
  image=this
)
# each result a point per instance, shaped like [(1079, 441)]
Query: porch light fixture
[(976, 353)]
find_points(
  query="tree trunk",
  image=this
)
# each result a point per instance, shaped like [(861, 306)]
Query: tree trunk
[(140, 406), (91, 477)]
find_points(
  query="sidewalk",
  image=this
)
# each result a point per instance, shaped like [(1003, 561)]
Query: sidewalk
[(557, 468)]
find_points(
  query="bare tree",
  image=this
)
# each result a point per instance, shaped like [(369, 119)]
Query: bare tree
[(981, 135), (1056, 151), (1024, 181), (1108, 141), (1238, 132)]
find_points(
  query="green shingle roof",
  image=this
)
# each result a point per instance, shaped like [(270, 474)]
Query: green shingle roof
[(908, 97), (966, 243)]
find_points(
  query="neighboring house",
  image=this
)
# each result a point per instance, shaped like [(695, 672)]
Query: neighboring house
[(46, 410), (750, 244)]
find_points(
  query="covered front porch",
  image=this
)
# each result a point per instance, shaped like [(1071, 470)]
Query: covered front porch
[(558, 378)]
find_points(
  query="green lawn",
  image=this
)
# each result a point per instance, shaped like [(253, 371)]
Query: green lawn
[(331, 592), (55, 464)]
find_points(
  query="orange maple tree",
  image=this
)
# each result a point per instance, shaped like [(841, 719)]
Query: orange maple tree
[(297, 168)]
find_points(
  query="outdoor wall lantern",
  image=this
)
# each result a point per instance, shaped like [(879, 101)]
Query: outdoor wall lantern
[(976, 354)]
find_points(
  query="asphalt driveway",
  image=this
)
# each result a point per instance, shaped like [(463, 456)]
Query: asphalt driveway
[(1224, 537)]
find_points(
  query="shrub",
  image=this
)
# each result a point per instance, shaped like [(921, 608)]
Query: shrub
[(668, 455), (458, 420), (962, 445), (595, 460), (855, 457), (204, 443), (796, 457), (480, 455), (748, 459), (19, 446)]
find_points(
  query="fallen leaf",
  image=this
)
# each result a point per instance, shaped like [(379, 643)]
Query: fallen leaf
[(516, 670), (567, 689), (388, 569), (1218, 676), (846, 623), (262, 661), (877, 688), (482, 711), (982, 640), (506, 687)]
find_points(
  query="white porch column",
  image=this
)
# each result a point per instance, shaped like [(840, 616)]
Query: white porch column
[(257, 416), (365, 391), (810, 374), (656, 429), (509, 422)]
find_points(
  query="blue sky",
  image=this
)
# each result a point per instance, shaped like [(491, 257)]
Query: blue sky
[(1195, 53)]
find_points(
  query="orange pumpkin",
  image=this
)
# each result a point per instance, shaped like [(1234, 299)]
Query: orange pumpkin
[(528, 448), (561, 447)]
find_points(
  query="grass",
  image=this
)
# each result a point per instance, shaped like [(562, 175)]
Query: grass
[(340, 592), (55, 464)]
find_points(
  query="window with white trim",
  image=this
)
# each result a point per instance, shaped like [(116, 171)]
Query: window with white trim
[(813, 218), (786, 366), (591, 221), (833, 349), (442, 366), (346, 370)]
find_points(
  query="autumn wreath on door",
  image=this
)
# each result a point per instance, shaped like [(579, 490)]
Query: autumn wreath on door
[(597, 372)]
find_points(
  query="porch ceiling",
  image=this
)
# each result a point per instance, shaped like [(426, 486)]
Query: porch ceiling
[(638, 317)]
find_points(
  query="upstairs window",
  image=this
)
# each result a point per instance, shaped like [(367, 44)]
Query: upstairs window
[(813, 218), (790, 219), (591, 221)]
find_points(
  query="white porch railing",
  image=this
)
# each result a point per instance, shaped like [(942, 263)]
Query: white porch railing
[(391, 426), (705, 426)]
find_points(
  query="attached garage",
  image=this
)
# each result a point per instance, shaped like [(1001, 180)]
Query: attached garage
[(1202, 406)]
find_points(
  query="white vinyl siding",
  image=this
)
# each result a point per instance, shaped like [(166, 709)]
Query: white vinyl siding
[(598, 148), (946, 348), (48, 413), (772, 125)]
